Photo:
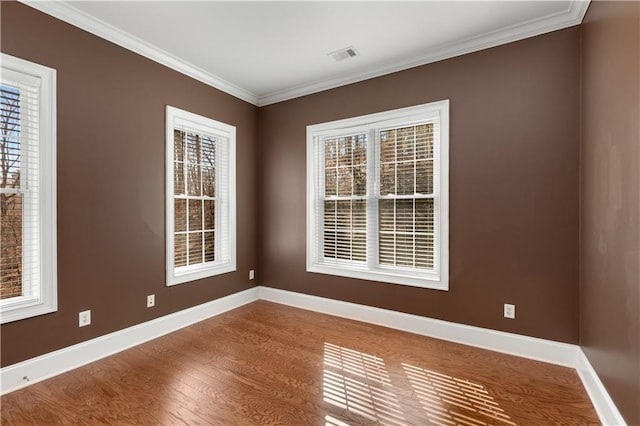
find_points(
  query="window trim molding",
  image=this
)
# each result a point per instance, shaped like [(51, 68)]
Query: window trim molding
[(201, 123), (17, 308), (392, 275)]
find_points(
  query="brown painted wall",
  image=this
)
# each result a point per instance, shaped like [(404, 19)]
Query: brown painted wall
[(610, 200), (514, 186), (111, 183)]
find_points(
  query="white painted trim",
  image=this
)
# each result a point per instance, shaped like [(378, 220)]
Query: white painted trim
[(558, 353), (225, 192), (68, 13), (606, 409), (66, 359), (572, 16), (513, 344), (373, 124), (39, 218)]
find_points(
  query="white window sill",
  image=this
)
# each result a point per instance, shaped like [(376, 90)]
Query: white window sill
[(422, 280)]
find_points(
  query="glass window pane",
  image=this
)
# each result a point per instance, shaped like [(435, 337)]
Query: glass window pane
[(424, 216), (386, 219), (208, 152), (388, 146), (330, 244), (388, 179), (405, 144), (404, 216), (424, 141), (195, 215), (360, 180), (10, 245), (193, 180), (404, 250), (359, 246), (386, 246), (209, 214), (359, 215), (345, 182), (178, 178), (180, 250), (178, 145), (180, 215), (405, 173), (360, 150), (424, 251), (209, 247), (343, 214), (330, 182), (330, 153), (208, 182), (424, 177), (193, 148), (345, 151), (195, 248), (329, 215), (343, 245)]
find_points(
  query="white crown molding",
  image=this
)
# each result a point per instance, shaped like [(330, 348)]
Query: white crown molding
[(568, 18), (48, 365), (67, 13)]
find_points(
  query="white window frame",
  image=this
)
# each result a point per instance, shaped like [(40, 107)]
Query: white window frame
[(438, 278), (43, 297), (175, 118)]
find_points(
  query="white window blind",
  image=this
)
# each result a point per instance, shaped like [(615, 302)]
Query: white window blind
[(27, 189), (378, 196), (200, 197)]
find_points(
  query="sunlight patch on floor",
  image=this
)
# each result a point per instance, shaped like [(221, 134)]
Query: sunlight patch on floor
[(449, 400), (359, 383)]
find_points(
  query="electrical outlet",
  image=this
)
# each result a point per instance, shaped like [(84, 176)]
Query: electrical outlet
[(84, 318), (151, 301), (509, 311), (252, 274)]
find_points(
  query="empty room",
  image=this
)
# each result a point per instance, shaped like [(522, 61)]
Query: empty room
[(320, 213)]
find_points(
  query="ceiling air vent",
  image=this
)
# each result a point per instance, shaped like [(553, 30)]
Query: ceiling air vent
[(347, 52)]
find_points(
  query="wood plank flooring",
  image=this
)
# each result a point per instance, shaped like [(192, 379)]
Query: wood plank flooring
[(271, 364)]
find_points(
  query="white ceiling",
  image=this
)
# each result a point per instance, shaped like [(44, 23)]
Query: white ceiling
[(265, 52)]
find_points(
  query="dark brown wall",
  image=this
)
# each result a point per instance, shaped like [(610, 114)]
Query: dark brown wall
[(111, 252), (610, 200), (514, 186)]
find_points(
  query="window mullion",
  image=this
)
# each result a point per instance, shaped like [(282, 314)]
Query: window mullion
[(373, 189), (415, 191), (201, 198), (26, 207), (219, 198)]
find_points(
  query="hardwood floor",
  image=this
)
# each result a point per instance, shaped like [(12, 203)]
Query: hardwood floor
[(271, 364)]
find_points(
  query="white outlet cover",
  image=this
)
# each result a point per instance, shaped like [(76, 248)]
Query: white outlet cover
[(84, 318), (509, 311), (252, 274), (151, 301)]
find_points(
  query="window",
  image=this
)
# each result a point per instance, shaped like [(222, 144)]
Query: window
[(27, 189), (201, 206), (378, 196)]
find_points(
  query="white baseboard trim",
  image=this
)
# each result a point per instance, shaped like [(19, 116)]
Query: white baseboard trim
[(514, 344), (66, 359), (606, 409)]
